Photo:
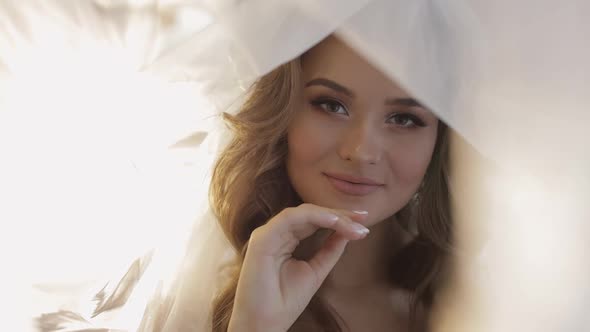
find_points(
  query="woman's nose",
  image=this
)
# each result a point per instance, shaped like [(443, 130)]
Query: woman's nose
[(360, 144)]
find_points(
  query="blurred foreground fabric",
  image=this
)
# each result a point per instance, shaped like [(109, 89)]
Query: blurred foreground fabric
[(109, 126)]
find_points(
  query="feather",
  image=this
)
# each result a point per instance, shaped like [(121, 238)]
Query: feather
[(121, 294), (59, 321)]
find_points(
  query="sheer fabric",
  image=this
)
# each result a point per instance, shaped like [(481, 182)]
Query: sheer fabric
[(510, 78)]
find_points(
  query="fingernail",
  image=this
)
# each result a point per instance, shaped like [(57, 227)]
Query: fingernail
[(360, 212), (332, 217), (360, 229)]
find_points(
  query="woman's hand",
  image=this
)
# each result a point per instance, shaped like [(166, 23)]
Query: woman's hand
[(274, 288)]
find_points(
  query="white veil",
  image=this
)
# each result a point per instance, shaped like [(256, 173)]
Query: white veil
[(510, 78)]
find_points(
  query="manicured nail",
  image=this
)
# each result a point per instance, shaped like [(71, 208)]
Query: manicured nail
[(360, 212), (332, 216), (360, 229)]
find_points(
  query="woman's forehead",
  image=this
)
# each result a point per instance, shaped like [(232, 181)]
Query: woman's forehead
[(333, 59)]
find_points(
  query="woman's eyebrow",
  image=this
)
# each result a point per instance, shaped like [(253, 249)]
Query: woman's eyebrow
[(330, 84), (410, 102)]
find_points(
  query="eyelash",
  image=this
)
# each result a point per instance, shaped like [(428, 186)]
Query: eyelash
[(416, 121), (321, 104)]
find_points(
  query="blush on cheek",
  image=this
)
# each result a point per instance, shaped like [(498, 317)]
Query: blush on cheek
[(299, 147), (411, 168), (307, 139)]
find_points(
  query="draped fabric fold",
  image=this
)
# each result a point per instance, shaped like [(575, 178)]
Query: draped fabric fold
[(109, 129)]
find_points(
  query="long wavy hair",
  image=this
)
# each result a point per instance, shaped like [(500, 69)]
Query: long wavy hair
[(250, 185)]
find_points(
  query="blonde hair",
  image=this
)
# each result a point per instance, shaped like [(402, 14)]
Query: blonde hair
[(250, 186)]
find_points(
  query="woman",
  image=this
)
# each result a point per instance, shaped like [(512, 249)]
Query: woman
[(328, 160), (498, 84)]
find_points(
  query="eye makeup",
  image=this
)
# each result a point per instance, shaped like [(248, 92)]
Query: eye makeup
[(329, 105), (406, 120)]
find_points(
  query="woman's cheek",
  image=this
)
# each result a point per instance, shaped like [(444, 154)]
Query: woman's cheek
[(412, 161), (310, 136)]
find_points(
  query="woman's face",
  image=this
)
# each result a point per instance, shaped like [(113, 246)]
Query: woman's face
[(359, 142)]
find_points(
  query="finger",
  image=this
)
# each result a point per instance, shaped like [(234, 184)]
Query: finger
[(326, 258), (283, 233), (359, 216), (314, 217)]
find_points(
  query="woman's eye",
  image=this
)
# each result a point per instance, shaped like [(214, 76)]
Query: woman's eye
[(406, 120), (330, 106)]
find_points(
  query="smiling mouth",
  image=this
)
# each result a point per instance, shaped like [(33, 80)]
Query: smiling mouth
[(348, 187)]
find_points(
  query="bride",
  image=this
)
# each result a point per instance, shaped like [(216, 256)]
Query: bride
[(331, 202), (329, 160)]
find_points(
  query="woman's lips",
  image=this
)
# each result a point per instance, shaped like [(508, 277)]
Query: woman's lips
[(361, 188)]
